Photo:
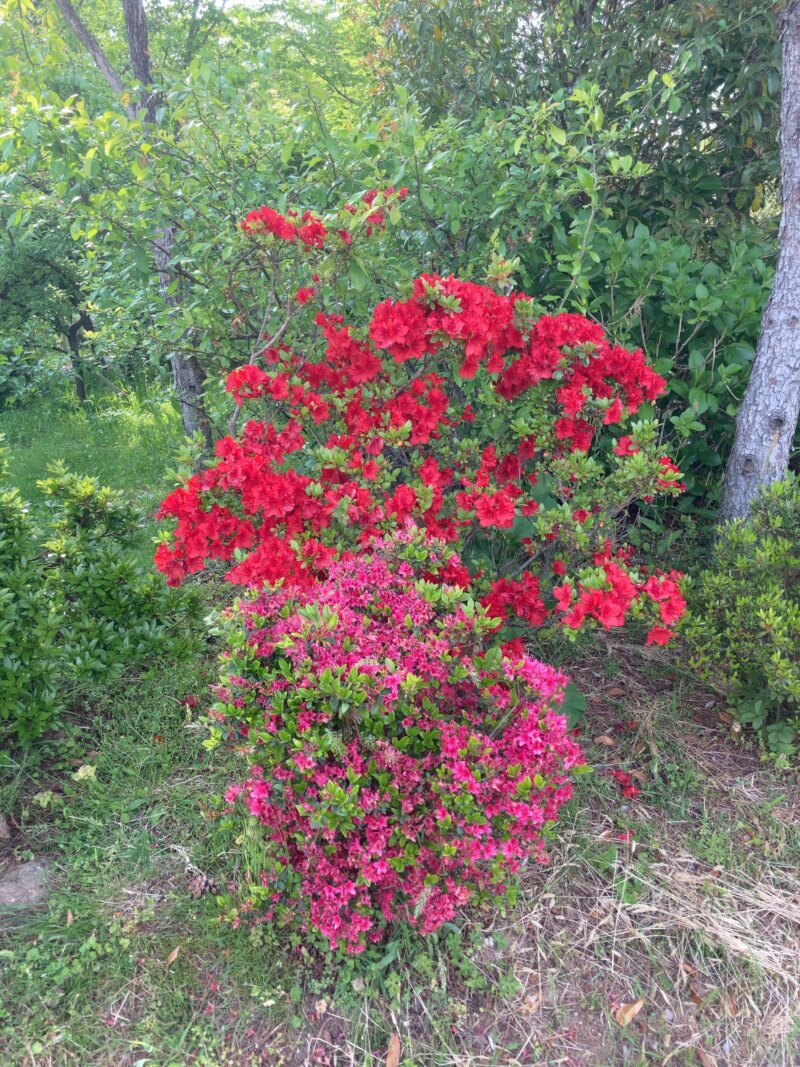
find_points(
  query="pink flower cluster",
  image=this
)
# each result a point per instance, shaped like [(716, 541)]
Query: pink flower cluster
[(400, 766)]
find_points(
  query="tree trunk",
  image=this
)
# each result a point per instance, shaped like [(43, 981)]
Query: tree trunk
[(74, 339), (139, 51), (767, 420), (187, 372)]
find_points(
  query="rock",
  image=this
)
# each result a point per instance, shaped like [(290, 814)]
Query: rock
[(24, 885)]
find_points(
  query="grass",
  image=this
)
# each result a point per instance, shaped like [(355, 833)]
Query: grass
[(91, 439), (665, 930)]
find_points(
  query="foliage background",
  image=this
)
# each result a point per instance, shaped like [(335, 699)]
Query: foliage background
[(624, 152)]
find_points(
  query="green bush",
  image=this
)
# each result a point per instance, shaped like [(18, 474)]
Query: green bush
[(744, 630), (29, 655), (78, 603), (113, 609)]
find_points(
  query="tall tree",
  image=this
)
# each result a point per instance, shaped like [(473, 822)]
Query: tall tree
[(767, 420), (187, 371)]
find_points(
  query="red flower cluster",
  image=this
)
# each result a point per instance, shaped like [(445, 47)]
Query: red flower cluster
[(359, 445), (266, 220), (309, 229)]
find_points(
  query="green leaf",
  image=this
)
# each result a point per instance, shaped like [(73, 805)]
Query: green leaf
[(574, 704), (427, 199), (585, 180), (142, 261), (358, 276)]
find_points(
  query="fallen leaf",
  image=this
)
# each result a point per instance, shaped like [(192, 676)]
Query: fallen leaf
[(687, 968), (531, 1004), (5, 829), (604, 739), (706, 1058), (626, 1013), (172, 957), (70, 918), (615, 691), (695, 995), (730, 1005), (393, 1051)]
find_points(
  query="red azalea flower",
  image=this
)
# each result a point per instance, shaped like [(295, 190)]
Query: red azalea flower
[(495, 509), (625, 447), (659, 635)]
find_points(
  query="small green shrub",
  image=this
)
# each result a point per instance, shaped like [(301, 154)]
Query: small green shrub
[(28, 624), (77, 602), (113, 609), (24, 374), (744, 630)]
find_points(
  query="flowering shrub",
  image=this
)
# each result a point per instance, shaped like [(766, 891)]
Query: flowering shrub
[(400, 764), (494, 429)]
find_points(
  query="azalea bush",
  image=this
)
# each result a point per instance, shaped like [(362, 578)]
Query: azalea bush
[(511, 435), (113, 611), (744, 629), (78, 603), (402, 763), (29, 655)]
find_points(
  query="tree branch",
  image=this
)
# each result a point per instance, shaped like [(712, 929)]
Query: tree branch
[(92, 46)]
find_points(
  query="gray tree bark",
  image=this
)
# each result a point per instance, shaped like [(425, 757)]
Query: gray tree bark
[(139, 50), (188, 375), (767, 420), (75, 336)]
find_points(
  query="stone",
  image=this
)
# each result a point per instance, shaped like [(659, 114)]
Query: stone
[(24, 885)]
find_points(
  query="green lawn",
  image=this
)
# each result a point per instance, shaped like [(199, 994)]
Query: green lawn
[(665, 930), (125, 441)]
